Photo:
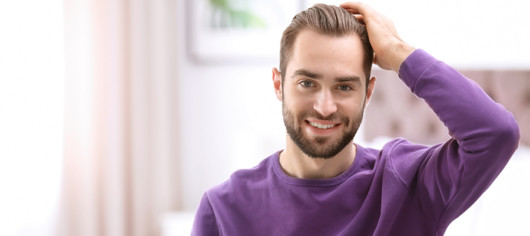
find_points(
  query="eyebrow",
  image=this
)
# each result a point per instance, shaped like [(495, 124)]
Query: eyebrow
[(306, 73), (354, 79)]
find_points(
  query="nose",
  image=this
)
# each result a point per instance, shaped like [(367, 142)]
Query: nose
[(325, 104)]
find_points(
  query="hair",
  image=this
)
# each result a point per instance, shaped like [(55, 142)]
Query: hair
[(328, 20)]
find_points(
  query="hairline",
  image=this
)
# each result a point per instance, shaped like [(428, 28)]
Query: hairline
[(283, 73)]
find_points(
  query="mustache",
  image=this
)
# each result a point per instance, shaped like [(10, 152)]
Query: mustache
[(333, 117)]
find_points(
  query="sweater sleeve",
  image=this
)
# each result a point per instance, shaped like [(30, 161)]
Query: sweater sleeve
[(452, 176), (205, 223)]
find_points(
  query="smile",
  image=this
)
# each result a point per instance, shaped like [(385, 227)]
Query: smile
[(321, 126)]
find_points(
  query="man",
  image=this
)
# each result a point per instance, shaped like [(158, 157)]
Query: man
[(323, 183)]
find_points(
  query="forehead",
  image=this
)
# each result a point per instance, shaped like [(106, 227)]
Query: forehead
[(328, 55)]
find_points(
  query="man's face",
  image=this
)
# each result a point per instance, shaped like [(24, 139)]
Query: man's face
[(324, 92)]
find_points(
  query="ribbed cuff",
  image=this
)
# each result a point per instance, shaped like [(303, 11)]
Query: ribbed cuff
[(414, 66)]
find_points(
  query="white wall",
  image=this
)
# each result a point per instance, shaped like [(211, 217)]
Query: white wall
[(31, 115), (464, 33), (230, 119)]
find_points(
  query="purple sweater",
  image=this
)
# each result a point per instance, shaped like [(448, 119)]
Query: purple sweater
[(403, 189)]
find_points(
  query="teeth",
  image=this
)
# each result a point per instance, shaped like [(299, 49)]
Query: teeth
[(321, 126)]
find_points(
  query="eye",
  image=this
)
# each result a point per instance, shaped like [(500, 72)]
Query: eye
[(307, 84), (344, 87)]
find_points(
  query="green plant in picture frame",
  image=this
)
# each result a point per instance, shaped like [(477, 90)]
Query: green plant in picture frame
[(234, 14), (236, 31)]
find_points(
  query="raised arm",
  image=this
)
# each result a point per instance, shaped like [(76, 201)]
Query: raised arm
[(445, 179)]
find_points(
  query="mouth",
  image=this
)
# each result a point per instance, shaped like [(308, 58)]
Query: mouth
[(322, 126)]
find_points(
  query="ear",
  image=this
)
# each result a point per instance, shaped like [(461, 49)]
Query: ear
[(277, 81), (369, 91)]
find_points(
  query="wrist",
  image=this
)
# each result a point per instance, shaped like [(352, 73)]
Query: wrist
[(401, 51)]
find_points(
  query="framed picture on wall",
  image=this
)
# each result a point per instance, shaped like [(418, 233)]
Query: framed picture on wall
[(237, 31)]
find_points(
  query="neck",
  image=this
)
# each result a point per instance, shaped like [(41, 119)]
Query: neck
[(297, 164)]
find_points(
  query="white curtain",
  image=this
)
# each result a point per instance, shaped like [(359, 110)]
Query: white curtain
[(120, 163)]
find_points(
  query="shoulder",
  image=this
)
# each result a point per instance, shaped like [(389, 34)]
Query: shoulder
[(396, 155), (243, 182), (400, 147), (395, 149), (405, 158)]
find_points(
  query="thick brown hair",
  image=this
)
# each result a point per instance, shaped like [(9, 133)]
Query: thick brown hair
[(328, 20)]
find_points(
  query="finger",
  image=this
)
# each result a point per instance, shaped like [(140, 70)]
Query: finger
[(360, 18), (350, 10), (355, 7), (357, 16)]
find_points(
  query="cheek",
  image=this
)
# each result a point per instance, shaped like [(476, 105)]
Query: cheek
[(296, 100), (352, 107)]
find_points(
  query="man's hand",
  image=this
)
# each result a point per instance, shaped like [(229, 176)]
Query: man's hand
[(389, 49)]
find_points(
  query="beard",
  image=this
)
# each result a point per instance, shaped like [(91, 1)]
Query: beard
[(320, 147)]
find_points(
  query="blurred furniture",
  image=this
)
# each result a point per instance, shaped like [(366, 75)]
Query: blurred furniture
[(395, 112), (177, 223)]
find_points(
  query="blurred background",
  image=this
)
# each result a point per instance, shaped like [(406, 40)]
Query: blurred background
[(116, 116)]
